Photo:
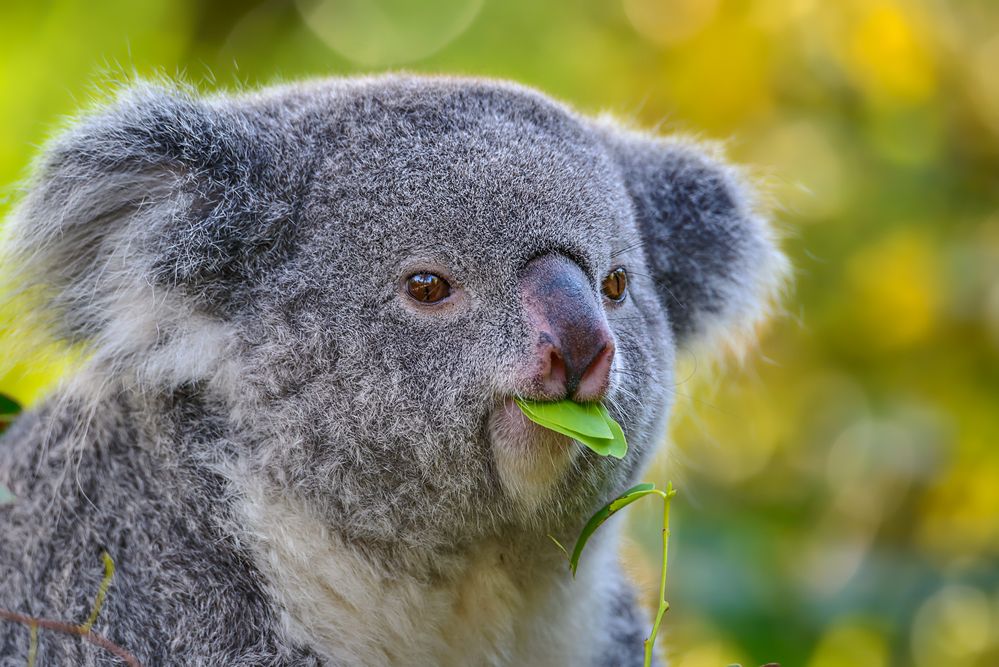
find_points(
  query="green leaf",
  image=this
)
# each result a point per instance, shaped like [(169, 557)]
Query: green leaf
[(8, 406), (618, 446), (5, 495), (584, 418), (588, 423), (601, 446), (604, 513), (9, 409), (631, 495)]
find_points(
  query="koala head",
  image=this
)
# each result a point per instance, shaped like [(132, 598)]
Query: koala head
[(363, 274)]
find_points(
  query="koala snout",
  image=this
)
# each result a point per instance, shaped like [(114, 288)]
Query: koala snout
[(573, 347), (583, 381)]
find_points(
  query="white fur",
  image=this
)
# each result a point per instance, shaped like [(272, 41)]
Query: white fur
[(485, 610), (529, 459)]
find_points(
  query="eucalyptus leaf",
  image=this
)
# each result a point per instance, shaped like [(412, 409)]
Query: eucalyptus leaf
[(604, 513), (588, 423), (8, 405), (584, 418), (618, 446), (601, 446), (631, 495), (9, 409), (5, 495)]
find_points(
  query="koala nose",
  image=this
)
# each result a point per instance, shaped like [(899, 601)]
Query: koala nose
[(574, 347), (583, 380)]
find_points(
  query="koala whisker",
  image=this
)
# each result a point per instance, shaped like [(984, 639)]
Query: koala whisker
[(626, 249), (633, 373), (660, 283)]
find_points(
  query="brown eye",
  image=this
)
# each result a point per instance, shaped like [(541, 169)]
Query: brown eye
[(615, 284), (427, 287)]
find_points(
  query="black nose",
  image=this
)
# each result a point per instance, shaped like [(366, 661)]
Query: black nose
[(574, 347)]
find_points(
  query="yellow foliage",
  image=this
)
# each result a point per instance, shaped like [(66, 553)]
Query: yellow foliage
[(851, 642), (896, 288), (953, 627), (889, 55)]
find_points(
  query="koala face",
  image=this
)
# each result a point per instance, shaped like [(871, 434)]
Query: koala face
[(450, 254), (369, 271)]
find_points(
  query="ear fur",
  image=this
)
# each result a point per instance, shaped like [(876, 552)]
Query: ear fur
[(714, 259), (157, 190), (139, 228)]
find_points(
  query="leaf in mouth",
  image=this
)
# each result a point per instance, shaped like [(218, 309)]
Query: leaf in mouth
[(588, 423)]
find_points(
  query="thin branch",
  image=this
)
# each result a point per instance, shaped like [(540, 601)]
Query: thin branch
[(101, 591), (69, 629), (650, 643), (33, 645)]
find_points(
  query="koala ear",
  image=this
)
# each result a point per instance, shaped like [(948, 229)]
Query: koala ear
[(157, 190), (714, 260)]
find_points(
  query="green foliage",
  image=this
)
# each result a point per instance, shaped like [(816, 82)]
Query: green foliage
[(626, 498), (604, 513), (9, 409), (588, 423)]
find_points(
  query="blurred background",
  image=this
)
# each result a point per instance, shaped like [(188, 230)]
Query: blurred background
[(839, 492)]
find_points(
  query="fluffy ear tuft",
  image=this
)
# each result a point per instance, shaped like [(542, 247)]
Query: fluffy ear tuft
[(138, 225), (714, 259), (157, 189)]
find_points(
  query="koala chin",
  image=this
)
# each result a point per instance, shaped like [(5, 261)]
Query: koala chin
[(305, 313)]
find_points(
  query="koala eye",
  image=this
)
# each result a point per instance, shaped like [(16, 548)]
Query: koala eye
[(615, 284), (427, 287)]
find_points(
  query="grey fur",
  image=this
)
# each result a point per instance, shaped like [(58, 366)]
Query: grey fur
[(233, 264)]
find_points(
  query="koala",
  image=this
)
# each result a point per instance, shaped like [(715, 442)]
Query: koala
[(304, 314)]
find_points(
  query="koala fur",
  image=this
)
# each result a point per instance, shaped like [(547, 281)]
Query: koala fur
[(288, 462)]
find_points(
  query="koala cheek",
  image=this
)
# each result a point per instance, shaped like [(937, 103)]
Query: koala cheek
[(529, 459)]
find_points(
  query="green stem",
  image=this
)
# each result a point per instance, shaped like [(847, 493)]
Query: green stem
[(650, 643), (33, 645), (101, 592), (70, 629)]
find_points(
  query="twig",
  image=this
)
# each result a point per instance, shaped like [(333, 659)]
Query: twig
[(78, 630), (33, 645), (102, 591), (650, 643)]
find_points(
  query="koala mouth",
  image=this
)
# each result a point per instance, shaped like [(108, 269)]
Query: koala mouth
[(530, 459)]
